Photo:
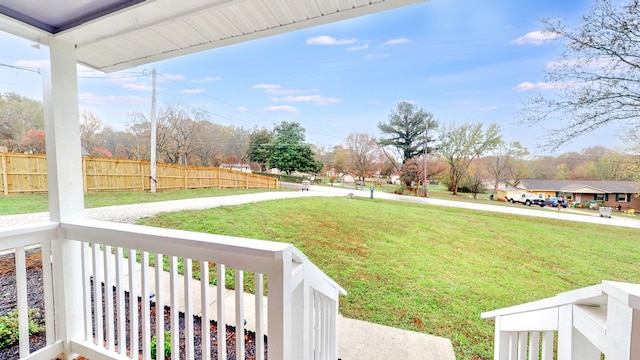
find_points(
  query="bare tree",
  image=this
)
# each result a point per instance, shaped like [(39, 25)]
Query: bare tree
[(461, 144), (182, 128), (139, 127), (502, 162), (90, 127), (597, 77), (362, 153)]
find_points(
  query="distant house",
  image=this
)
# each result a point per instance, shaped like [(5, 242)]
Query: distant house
[(348, 178), (237, 167), (609, 193)]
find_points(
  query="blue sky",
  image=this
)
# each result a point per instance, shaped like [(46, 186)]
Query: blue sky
[(461, 60)]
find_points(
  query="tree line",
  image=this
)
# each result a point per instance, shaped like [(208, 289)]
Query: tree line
[(413, 145)]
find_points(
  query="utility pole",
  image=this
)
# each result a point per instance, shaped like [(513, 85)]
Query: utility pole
[(152, 160), (426, 152)]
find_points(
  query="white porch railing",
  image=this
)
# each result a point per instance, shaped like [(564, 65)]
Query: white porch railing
[(302, 306), (583, 324)]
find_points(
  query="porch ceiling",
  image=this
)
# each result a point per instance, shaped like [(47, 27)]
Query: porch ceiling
[(112, 35)]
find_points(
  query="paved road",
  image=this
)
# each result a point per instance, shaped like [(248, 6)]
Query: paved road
[(564, 214), (130, 213)]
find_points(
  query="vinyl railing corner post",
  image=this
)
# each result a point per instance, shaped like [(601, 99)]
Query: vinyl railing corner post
[(623, 331), (302, 316), (280, 304)]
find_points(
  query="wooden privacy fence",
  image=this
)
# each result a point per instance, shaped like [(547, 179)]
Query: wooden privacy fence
[(28, 174)]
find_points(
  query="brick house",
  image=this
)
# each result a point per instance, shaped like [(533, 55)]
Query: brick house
[(607, 193)]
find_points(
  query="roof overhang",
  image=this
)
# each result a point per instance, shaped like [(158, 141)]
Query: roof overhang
[(112, 35)]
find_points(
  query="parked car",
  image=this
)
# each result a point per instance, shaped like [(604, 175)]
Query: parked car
[(525, 198), (555, 201)]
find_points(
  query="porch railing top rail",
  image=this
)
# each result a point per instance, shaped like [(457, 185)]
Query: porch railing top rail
[(596, 295), (242, 253)]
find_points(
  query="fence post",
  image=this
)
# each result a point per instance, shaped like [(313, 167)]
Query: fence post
[(184, 169), (142, 176), (5, 185)]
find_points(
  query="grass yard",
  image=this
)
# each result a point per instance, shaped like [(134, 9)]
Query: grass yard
[(426, 268), (31, 203)]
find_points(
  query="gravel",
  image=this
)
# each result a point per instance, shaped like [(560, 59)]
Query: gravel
[(131, 213)]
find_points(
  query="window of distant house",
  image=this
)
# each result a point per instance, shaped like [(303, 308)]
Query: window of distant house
[(569, 196), (541, 195), (600, 197), (622, 198)]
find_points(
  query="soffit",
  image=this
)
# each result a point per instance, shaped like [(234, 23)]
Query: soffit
[(112, 35)]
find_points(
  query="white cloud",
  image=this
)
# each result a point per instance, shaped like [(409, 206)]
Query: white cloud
[(315, 99), (241, 109), (535, 38), (274, 89), (207, 79), (137, 87), (376, 56), (32, 64), (283, 108), (539, 86), (359, 47), (93, 99), (329, 40), (488, 108), (397, 41), (265, 86), (463, 102), (192, 91)]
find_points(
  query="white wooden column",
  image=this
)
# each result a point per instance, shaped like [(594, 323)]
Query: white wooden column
[(66, 201), (62, 127)]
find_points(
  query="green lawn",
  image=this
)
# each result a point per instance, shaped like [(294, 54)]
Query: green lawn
[(426, 268), (30, 203)]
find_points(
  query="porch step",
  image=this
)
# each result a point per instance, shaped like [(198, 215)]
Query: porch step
[(363, 340)]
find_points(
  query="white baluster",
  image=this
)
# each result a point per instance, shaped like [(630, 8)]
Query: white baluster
[(222, 333), (239, 315), (204, 310)]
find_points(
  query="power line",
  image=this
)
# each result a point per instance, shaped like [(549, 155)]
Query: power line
[(35, 70)]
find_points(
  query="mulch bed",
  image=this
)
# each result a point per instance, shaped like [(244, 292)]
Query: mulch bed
[(8, 301)]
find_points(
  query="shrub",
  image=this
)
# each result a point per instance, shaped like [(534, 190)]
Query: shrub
[(167, 345), (9, 332)]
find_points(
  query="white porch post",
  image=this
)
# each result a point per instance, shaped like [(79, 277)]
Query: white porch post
[(280, 308), (66, 198), (623, 331)]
